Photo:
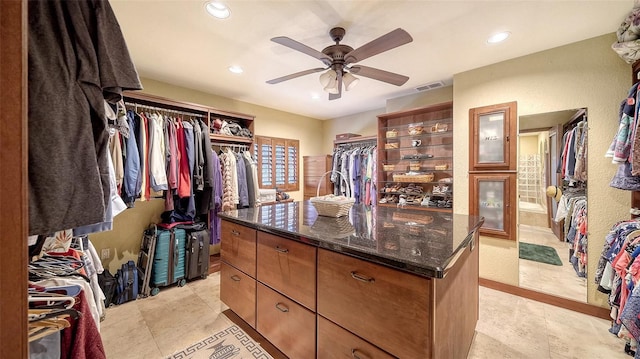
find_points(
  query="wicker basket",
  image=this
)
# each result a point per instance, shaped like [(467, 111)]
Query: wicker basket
[(421, 178), (391, 145), (439, 127), (388, 167), (414, 165), (392, 133), (415, 129), (442, 167), (332, 205)]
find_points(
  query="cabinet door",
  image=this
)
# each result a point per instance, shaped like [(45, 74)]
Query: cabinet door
[(289, 267), (238, 291), (286, 324), (379, 304), (494, 198), (238, 247), (335, 343), (493, 137)]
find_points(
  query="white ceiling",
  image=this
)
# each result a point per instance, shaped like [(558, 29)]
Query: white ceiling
[(178, 43)]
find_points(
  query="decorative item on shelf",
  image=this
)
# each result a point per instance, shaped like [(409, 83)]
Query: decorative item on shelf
[(393, 133), (414, 177), (442, 167), (331, 205), (417, 156), (414, 165), (391, 145), (416, 143), (411, 218), (388, 167), (439, 127), (332, 227), (415, 129)]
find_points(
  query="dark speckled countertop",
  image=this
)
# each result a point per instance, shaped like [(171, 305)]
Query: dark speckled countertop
[(420, 242)]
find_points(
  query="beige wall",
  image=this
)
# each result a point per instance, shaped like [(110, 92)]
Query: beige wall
[(584, 74), (364, 123), (528, 145)]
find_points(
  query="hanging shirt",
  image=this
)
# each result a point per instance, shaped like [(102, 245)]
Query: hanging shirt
[(131, 163), (78, 58), (157, 168)]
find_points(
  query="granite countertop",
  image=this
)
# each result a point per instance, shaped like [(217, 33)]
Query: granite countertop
[(424, 243)]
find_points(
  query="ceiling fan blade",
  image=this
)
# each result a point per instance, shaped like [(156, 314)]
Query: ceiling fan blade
[(384, 43), (339, 94), (380, 75), (294, 75), (298, 46)]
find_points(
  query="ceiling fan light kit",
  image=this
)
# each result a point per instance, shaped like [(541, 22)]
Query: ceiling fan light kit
[(338, 57)]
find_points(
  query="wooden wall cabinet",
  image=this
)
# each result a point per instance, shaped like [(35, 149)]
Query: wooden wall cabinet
[(495, 200), (415, 158), (493, 168), (314, 168), (493, 132)]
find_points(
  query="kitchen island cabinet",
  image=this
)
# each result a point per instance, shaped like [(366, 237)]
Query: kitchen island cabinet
[(378, 283)]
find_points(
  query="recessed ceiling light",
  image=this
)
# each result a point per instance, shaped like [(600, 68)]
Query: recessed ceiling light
[(499, 37), (217, 9), (236, 69)]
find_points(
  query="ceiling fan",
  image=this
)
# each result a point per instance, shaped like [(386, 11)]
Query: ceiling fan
[(340, 61)]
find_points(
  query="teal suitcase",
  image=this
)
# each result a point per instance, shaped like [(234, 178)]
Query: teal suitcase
[(169, 259)]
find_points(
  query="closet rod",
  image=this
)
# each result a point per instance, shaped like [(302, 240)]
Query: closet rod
[(136, 105)]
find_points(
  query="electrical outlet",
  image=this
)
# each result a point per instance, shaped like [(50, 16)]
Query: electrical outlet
[(105, 253)]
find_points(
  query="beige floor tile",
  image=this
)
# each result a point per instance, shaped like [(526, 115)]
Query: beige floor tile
[(125, 333), (562, 280), (508, 327)]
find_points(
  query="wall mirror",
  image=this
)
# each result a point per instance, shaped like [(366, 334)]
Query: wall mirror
[(545, 236)]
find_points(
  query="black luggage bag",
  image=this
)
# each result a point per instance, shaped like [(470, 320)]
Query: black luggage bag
[(197, 251)]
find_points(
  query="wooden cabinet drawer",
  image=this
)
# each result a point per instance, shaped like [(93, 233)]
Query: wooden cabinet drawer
[(288, 267), (238, 247), (238, 291), (381, 305), (335, 342), (286, 324)]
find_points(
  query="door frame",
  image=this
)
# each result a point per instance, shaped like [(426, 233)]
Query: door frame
[(14, 215)]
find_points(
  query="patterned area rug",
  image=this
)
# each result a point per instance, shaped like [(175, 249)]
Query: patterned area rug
[(228, 343)]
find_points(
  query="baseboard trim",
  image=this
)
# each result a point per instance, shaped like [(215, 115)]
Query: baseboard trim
[(576, 306)]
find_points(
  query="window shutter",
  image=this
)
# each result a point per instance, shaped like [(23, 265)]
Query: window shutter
[(280, 163), (266, 163), (292, 165)]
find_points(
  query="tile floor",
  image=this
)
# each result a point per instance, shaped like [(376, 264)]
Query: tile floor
[(509, 326), (562, 280)]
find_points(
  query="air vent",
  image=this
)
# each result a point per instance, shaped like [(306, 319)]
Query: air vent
[(430, 86)]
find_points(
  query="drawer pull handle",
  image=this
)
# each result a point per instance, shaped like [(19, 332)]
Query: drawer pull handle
[(235, 278), (354, 354), (360, 277), (281, 307), (235, 233), (281, 250)]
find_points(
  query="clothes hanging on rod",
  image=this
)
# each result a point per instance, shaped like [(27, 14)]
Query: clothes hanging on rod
[(356, 162), (617, 275), (63, 282)]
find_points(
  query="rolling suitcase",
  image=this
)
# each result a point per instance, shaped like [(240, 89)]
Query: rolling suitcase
[(169, 259), (197, 254)]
